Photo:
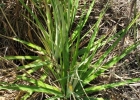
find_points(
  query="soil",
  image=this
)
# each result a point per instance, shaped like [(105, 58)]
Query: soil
[(118, 15)]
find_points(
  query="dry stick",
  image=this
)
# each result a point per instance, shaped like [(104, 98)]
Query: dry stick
[(8, 21)]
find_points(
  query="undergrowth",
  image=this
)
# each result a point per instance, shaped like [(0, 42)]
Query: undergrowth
[(65, 70)]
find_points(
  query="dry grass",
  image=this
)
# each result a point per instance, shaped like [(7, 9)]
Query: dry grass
[(116, 18)]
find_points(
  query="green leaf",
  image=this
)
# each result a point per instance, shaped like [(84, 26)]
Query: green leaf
[(38, 83), (112, 85), (21, 57), (29, 88), (36, 63), (34, 46)]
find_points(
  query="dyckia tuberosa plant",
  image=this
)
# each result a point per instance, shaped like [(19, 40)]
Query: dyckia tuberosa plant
[(67, 69)]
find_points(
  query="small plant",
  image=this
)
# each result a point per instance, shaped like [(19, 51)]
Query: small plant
[(67, 70)]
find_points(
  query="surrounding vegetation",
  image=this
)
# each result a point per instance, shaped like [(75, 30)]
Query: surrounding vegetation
[(55, 56)]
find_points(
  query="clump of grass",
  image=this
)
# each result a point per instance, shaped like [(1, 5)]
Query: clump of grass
[(66, 70)]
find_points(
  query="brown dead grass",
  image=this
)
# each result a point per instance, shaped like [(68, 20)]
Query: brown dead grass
[(117, 17)]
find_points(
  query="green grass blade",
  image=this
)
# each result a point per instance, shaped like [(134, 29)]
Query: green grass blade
[(112, 85), (21, 57), (91, 43), (29, 88), (26, 96), (109, 63), (44, 36), (73, 10), (36, 63), (34, 16), (38, 83), (38, 48), (100, 44), (96, 29), (81, 23), (30, 71), (75, 52)]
